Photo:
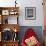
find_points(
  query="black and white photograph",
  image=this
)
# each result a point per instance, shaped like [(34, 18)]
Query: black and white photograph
[(30, 13)]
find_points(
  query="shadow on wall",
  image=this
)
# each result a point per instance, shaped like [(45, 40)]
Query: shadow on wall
[(37, 29)]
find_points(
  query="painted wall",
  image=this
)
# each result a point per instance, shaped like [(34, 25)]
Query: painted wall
[(44, 12), (26, 3), (37, 29), (39, 13)]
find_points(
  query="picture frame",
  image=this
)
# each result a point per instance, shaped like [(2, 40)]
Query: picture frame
[(0, 36), (0, 19), (30, 13), (13, 20), (5, 12)]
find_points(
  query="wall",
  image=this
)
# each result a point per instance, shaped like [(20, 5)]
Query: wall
[(39, 13), (44, 21), (37, 30), (27, 3), (44, 12)]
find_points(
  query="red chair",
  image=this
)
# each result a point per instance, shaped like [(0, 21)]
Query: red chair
[(29, 33)]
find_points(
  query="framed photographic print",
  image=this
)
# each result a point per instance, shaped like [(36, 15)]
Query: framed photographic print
[(30, 13), (12, 20), (0, 19), (0, 36), (5, 12)]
